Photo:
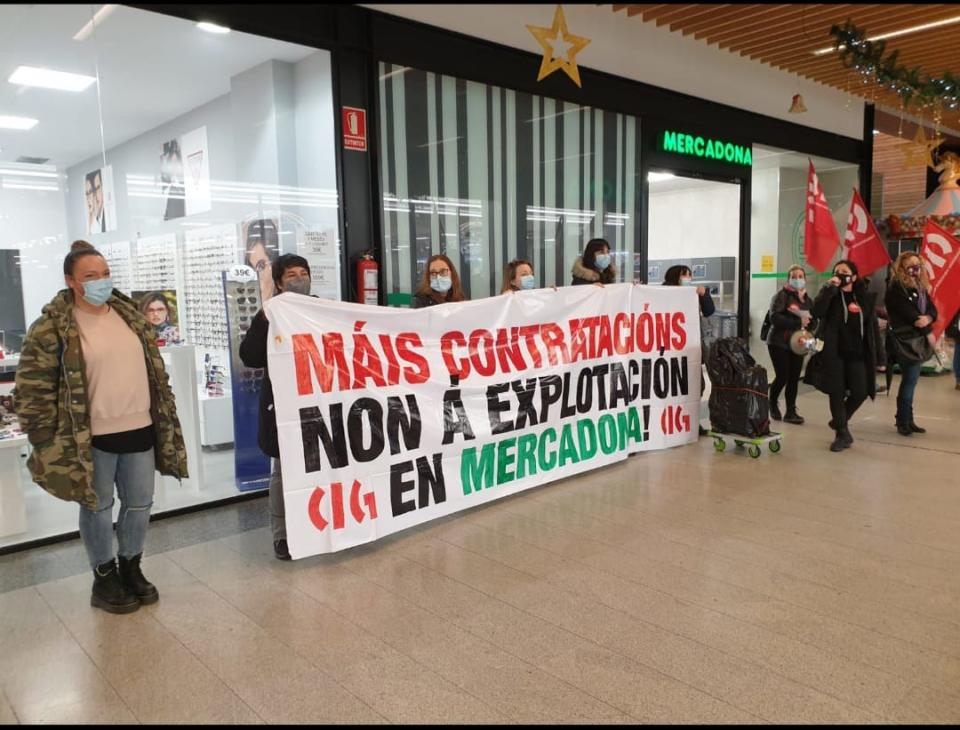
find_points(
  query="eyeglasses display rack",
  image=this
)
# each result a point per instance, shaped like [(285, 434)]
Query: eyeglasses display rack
[(118, 258), (241, 288), (207, 253)]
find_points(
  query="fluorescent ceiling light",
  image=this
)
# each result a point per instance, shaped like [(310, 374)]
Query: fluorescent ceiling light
[(658, 176), (212, 27), (97, 19), (898, 33), (17, 123), (48, 79)]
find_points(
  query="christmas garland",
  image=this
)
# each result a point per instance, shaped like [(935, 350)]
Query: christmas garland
[(867, 57)]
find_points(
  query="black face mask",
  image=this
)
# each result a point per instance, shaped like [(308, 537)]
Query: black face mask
[(844, 279)]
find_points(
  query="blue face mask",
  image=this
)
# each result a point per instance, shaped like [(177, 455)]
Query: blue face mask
[(798, 284), (97, 292), (441, 284), (602, 261), (686, 282), (527, 282)]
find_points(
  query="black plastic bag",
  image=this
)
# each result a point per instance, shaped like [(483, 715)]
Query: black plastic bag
[(738, 401)]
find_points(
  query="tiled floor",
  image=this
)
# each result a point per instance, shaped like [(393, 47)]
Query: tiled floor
[(681, 586)]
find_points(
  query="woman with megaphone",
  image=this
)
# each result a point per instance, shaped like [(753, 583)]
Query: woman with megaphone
[(791, 324)]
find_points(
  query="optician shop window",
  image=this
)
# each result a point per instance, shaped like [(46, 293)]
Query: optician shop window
[(486, 174), (180, 150)]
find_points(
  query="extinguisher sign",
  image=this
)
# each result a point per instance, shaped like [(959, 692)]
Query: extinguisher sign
[(355, 129)]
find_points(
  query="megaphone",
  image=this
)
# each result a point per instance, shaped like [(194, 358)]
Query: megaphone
[(802, 342)]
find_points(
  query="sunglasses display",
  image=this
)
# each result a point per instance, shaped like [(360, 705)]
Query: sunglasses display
[(243, 303), (206, 254)]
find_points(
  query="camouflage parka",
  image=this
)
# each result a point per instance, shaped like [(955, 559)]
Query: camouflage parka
[(52, 404)]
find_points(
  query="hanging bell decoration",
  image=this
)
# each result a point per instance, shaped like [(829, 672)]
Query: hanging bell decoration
[(797, 106)]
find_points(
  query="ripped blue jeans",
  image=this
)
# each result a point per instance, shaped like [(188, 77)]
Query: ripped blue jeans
[(134, 478)]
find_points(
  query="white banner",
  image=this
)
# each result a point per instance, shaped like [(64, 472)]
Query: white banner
[(389, 417)]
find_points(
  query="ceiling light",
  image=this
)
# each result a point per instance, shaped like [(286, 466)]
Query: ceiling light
[(17, 122), (897, 33), (97, 19), (658, 176), (48, 79), (212, 27)]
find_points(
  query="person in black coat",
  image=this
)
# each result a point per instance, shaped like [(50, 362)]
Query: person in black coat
[(789, 312), (845, 369), (291, 273), (910, 309), (595, 266), (440, 283)]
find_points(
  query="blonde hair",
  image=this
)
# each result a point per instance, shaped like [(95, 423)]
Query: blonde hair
[(510, 273), (797, 267), (901, 275)]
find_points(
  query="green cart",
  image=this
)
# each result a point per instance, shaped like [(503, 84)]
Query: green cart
[(754, 446)]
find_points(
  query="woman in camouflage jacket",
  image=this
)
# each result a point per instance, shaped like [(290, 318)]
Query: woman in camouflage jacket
[(53, 403)]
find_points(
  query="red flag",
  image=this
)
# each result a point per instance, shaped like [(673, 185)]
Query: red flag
[(862, 240), (820, 237), (941, 257)]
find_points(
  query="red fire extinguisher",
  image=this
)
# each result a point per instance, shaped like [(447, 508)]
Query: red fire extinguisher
[(368, 272)]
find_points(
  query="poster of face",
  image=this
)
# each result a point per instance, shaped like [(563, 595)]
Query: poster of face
[(100, 207), (196, 171), (159, 308), (171, 180), (261, 247)]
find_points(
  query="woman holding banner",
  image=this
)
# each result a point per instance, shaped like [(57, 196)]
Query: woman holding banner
[(912, 314), (595, 266), (440, 283), (518, 275)]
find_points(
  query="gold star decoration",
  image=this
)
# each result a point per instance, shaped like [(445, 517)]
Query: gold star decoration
[(560, 48), (922, 149)]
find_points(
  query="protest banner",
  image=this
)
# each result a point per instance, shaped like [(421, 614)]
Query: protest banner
[(388, 418)]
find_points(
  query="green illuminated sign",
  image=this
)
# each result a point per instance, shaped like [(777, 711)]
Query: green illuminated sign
[(711, 149)]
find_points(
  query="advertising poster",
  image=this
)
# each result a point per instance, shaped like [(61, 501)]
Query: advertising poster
[(389, 417), (196, 171), (99, 201), (260, 239), (160, 309), (319, 248), (171, 180)]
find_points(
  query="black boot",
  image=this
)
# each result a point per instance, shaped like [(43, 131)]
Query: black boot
[(839, 443), (280, 550), (904, 429), (916, 429), (847, 437), (109, 592), (793, 417), (775, 411), (132, 577)]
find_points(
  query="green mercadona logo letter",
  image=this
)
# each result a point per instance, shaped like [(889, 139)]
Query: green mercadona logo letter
[(713, 149)]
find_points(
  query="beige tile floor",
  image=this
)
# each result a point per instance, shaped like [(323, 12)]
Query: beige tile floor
[(682, 586)]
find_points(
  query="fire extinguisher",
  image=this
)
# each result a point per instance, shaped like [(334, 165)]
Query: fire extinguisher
[(368, 273)]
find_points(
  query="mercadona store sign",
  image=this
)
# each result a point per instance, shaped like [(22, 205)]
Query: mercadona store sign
[(681, 143)]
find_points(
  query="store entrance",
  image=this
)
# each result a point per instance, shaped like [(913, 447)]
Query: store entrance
[(696, 222)]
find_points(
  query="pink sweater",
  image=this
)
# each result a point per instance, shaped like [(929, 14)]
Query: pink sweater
[(119, 391)]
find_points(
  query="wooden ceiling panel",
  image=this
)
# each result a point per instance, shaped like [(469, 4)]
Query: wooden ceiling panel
[(786, 36)]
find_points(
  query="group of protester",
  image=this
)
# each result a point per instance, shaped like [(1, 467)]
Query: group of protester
[(93, 396), (845, 317)]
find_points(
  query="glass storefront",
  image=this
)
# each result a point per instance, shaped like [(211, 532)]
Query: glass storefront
[(778, 202), (486, 174), (181, 152)]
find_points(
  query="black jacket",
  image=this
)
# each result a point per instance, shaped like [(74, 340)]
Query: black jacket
[(825, 369), (782, 323), (903, 307), (253, 353), (423, 300)]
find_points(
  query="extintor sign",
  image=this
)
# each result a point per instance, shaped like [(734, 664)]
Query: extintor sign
[(355, 129)]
